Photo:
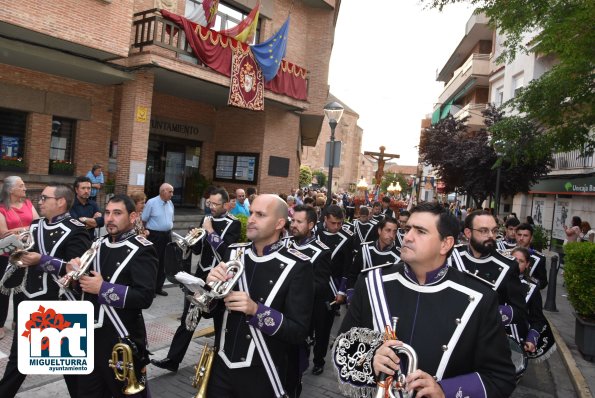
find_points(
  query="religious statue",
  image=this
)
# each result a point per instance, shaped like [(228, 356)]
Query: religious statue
[(381, 158)]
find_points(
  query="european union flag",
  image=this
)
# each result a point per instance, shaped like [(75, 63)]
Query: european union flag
[(270, 53)]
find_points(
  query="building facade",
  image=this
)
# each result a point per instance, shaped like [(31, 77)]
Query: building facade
[(113, 82)]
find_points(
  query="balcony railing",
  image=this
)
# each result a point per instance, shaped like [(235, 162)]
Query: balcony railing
[(477, 65), (476, 118), (572, 160)]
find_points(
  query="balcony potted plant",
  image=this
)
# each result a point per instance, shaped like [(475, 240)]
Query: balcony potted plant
[(580, 284), (8, 163), (61, 167)]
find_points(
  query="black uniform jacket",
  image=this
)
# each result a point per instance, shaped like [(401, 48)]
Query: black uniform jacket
[(58, 241), (538, 270), (128, 266), (369, 255), (500, 272), (452, 323), (341, 245), (212, 248), (320, 258), (281, 282), (362, 232)]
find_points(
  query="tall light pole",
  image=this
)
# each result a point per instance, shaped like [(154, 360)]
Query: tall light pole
[(499, 154), (333, 112)]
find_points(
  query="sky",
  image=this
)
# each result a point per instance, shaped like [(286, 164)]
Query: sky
[(384, 67)]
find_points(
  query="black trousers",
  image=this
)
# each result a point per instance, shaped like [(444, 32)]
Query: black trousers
[(160, 239), (4, 298), (13, 379), (322, 323), (182, 338), (251, 382)]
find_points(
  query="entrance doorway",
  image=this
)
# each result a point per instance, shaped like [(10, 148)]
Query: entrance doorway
[(176, 162)]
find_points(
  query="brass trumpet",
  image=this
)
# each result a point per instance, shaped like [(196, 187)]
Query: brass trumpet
[(17, 246), (398, 386), (86, 261), (26, 240), (123, 367), (203, 371), (192, 237), (203, 299)]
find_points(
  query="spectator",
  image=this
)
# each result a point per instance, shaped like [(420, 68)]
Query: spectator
[(530, 220), (573, 233), (299, 197), (290, 204), (587, 234), (139, 198), (16, 214), (232, 202), (95, 175), (84, 209), (241, 207)]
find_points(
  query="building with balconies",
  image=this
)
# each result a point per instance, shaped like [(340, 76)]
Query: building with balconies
[(115, 83)]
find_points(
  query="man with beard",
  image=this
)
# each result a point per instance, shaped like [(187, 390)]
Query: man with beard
[(372, 254), (508, 242), (267, 313), (120, 286), (340, 242), (524, 237), (84, 209), (58, 238), (449, 319), (303, 240), (481, 259), (222, 230)]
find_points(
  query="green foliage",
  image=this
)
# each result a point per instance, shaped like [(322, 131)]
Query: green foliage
[(562, 99), (320, 177), (389, 178), (305, 176), (579, 276), (244, 220), (541, 238)]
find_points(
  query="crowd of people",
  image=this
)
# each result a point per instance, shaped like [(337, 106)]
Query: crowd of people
[(459, 306)]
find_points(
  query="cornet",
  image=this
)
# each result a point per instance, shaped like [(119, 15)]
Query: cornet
[(123, 367), (17, 246), (203, 299), (86, 261), (192, 237), (27, 242), (203, 371)]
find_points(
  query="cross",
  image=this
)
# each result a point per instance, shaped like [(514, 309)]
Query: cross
[(381, 157)]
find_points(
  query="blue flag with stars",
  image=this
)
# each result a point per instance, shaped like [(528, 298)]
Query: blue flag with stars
[(270, 53)]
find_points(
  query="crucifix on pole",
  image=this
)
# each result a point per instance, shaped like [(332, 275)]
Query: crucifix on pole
[(381, 157)]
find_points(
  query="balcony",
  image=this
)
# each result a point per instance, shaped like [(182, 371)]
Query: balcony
[(474, 72), (476, 119), (572, 162)]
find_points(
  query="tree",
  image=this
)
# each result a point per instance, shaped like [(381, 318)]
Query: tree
[(305, 176), (320, 178), (561, 100), (390, 177), (467, 161)]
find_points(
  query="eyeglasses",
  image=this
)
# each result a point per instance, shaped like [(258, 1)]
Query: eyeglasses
[(213, 204), (486, 231), (43, 198)]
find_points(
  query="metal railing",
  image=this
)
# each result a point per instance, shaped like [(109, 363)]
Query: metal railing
[(572, 160), (151, 29)]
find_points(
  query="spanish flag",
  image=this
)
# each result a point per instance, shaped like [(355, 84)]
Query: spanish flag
[(246, 30)]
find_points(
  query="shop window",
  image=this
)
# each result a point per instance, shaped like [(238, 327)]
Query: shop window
[(236, 167), (61, 146), (13, 125)]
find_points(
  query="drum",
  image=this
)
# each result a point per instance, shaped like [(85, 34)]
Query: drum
[(518, 356)]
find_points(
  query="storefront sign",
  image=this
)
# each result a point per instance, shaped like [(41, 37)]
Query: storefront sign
[(177, 129), (574, 185)]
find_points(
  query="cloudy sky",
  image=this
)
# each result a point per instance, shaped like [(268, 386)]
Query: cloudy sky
[(384, 64)]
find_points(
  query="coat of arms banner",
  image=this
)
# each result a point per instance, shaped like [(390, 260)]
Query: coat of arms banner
[(246, 89)]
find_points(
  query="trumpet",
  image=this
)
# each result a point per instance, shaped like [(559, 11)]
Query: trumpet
[(86, 261), (203, 371), (192, 237), (396, 386), (123, 367), (17, 246), (203, 299), (26, 242)]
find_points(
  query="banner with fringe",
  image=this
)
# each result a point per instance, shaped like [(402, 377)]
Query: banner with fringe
[(246, 88)]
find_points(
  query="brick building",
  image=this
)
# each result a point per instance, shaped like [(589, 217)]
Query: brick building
[(80, 85), (350, 135)]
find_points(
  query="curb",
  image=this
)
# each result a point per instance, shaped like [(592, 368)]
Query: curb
[(578, 380)]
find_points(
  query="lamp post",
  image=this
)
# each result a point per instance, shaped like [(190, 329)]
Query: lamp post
[(499, 154), (333, 112)]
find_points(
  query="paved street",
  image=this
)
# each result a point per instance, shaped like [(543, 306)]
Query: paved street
[(548, 379)]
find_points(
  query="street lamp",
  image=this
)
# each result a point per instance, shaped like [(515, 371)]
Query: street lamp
[(333, 112)]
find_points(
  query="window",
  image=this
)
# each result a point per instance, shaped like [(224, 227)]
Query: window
[(13, 125), (517, 83), (238, 167), (499, 96), (227, 16), (62, 140)]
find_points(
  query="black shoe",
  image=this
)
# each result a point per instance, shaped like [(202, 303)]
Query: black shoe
[(166, 363), (161, 293), (317, 370)]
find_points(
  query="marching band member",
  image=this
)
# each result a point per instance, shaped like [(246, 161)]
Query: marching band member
[(377, 214), (449, 319), (501, 272), (305, 241), (362, 227), (58, 238), (509, 240), (222, 230), (372, 254), (386, 210), (340, 242), (268, 313), (403, 218), (524, 237), (120, 286)]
